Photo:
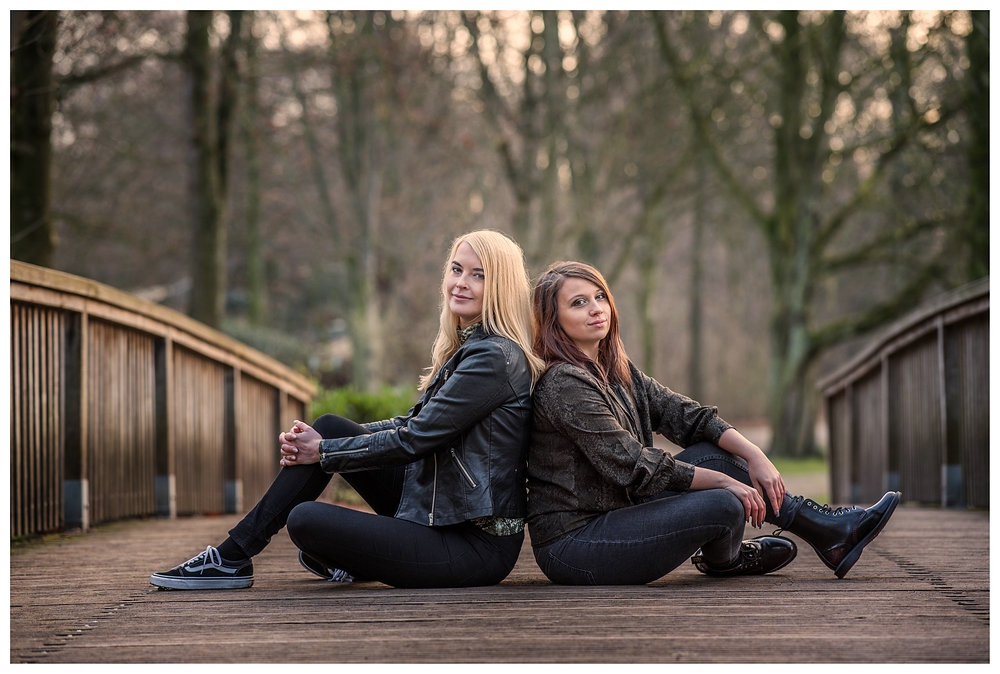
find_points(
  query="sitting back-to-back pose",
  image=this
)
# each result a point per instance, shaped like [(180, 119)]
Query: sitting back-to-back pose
[(446, 480), (606, 507)]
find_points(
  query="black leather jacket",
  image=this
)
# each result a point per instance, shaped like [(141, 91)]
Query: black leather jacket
[(463, 444)]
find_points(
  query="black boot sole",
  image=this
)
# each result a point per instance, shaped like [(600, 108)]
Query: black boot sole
[(855, 553)]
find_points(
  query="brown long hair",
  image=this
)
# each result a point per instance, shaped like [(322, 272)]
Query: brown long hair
[(552, 343)]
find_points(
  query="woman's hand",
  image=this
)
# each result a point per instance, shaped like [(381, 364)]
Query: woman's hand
[(299, 446), (763, 474), (752, 502), (767, 480)]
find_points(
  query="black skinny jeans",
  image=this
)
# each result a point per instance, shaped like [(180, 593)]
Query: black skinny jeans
[(373, 547), (638, 544)]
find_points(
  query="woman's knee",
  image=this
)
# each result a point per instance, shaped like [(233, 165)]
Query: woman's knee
[(728, 506), (701, 452), (301, 519), (711, 456), (334, 426)]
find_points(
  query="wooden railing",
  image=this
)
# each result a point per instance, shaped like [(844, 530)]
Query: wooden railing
[(911, 412), (123, 408)]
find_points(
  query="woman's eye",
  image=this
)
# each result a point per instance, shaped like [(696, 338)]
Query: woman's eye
[(456, 270), (481, 277)]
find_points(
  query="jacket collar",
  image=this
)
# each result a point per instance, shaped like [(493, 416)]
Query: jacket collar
[(465, 333)]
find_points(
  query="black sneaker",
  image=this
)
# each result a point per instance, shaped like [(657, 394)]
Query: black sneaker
[(207, 571), (326, 573)]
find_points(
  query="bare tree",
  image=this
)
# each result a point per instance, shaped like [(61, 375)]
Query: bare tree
[(32, 237), (803, 224), (249, 133), (976, 233), (208, 149)]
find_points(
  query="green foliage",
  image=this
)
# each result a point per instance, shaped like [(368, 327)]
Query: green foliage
[(789, 466), (360, 407), (363, 407)]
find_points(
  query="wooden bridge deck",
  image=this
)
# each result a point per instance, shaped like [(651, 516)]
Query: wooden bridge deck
[(919, 594)]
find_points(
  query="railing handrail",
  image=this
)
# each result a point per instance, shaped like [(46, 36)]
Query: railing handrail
[(160, 320), (871, 354)]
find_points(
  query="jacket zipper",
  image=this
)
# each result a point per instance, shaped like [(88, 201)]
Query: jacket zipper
[(462, 468), (434, 492), (346, 451)]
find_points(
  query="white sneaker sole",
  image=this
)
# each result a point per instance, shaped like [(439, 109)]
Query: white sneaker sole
[(174, 583)]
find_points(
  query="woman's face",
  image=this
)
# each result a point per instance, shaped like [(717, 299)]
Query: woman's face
[(464, 285), (584, 314)]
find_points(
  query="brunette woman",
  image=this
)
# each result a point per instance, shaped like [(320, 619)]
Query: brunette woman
[(606, 507), (446, 480)]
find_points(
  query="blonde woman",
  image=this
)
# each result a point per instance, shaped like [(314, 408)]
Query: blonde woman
[(446, 480)]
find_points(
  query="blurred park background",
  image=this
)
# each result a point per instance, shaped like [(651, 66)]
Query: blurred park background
[(763, 190)]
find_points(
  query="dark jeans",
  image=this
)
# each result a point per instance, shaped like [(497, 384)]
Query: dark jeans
[(640, 543), (377, 547)]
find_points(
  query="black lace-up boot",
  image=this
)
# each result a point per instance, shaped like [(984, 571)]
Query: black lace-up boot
[(760, 555), (839, 535)]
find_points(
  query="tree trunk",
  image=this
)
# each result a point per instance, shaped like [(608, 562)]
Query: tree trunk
[(32, 234), (977, 230), (792, 412), (228, 104), (256, 283), (792, 417), (367, 324), (790, 235), (359, 83), (695, 300), (553, 131), (208, 273)]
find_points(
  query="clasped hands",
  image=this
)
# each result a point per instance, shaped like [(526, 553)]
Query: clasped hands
[(300, 445)]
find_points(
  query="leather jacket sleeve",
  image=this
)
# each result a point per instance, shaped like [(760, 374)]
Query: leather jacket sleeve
[(386, 424), (455, 401)]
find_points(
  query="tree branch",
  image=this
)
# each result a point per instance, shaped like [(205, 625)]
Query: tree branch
[(876, 316), (649, 205), (867, 186), (880, 248), (700, 125), (71, 80)]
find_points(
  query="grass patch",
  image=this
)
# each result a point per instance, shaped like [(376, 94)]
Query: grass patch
[(800, 466)]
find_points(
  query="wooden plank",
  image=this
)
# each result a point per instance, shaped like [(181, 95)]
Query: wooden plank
[(910, 599)]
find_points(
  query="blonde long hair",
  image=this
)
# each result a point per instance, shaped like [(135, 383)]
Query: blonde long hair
[(506, 300)]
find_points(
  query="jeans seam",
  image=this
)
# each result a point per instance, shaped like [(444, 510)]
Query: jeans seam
[(717, 457)]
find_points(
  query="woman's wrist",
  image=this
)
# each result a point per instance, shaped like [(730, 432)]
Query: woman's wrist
[(735, 443), (705, 478)]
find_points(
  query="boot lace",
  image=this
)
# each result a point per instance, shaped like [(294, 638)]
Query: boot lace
[(825, 509), (750, 551)]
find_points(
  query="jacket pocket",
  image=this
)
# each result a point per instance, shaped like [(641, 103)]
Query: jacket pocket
[(462, 468)]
